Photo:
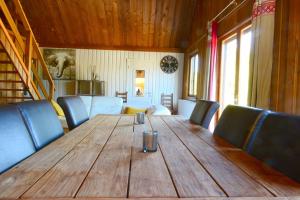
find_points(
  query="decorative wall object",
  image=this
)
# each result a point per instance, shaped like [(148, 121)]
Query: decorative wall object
[(169, 64), (61, 63)]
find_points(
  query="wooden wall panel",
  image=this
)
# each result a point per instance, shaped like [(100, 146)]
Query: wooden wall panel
[(116, 69), (205, 11), (285, 91)]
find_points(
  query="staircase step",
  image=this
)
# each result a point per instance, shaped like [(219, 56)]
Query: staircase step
[(5, 62), (10, 81), (8, 72), (12, 89), (14, 97)]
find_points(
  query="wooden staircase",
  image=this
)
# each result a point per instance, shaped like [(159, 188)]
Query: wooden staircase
[(23, 72)]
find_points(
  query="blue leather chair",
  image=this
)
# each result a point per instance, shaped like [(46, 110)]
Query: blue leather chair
[(203, 112), (277, 143), (41, 121), (74, 110), (237, 123), (15, 141)]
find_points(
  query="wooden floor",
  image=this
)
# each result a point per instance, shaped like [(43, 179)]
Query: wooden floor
[(103, 159)]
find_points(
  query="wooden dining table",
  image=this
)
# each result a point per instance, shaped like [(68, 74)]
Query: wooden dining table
[(103, 158)]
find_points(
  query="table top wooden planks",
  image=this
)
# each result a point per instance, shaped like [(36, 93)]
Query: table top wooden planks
[(110, 175), (54, 183), (103, 159), (190, 178), (233, 180), (149, 175)]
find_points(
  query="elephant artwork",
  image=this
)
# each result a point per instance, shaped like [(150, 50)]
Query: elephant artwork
[(60, 63)]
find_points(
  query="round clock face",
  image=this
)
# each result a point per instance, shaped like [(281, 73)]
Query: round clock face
[(169, 64)]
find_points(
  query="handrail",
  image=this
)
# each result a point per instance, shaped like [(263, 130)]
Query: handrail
[(13, 46), (27, 26), (29, 47), (12, 24)]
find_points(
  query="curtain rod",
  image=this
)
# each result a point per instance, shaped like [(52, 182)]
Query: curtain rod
[(233, 10), (233, 2)]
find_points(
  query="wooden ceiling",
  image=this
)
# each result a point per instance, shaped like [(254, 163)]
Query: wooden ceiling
[(161, 25)]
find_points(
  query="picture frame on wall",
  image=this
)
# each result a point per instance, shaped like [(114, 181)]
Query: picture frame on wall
[(60, 63)]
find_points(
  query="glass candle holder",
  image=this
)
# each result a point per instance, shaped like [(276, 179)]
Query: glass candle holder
[(150, 141)]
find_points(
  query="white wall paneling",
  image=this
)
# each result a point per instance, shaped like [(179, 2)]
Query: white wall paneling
[(116, 67)]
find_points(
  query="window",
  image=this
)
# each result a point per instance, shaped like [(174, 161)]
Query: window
[(234, 72), (228, 71), (193, 75)]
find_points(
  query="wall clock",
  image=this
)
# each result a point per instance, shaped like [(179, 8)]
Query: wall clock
[(169, 64)]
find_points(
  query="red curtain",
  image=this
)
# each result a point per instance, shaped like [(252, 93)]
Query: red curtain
[(213, 60)]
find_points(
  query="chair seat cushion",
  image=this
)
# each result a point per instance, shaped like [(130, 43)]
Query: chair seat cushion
[(41, 121), (133, 110), (15, 141)]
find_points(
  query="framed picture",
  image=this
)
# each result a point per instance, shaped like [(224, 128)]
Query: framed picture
[(61, 63)]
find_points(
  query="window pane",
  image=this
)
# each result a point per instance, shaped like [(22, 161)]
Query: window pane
[(193, 77), (228, 72), (195, 74), (244, 67)]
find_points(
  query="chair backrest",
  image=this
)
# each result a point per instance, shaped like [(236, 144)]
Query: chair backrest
[(74, 110), (167, 101), (203, 112), (15, 141), (277, 143), (122, 95), (41, 121), (237, 123)]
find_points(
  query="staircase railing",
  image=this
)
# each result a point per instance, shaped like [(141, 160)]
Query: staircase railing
[(28, 58)]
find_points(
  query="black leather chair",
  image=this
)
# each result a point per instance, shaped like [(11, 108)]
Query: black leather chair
[(15, 141), (277, 143), (203, 112), (74, 110), (41, 121), (237, 123)]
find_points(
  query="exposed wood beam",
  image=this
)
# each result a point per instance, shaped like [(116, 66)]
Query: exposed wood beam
[(100, 47)]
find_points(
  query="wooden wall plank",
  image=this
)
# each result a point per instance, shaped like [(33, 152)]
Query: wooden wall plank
[(285, 90)]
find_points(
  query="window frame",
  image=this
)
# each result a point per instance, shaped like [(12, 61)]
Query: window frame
[(237, 31), (194, 54)]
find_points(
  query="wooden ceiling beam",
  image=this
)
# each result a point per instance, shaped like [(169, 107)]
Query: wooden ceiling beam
[(103, 47)]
